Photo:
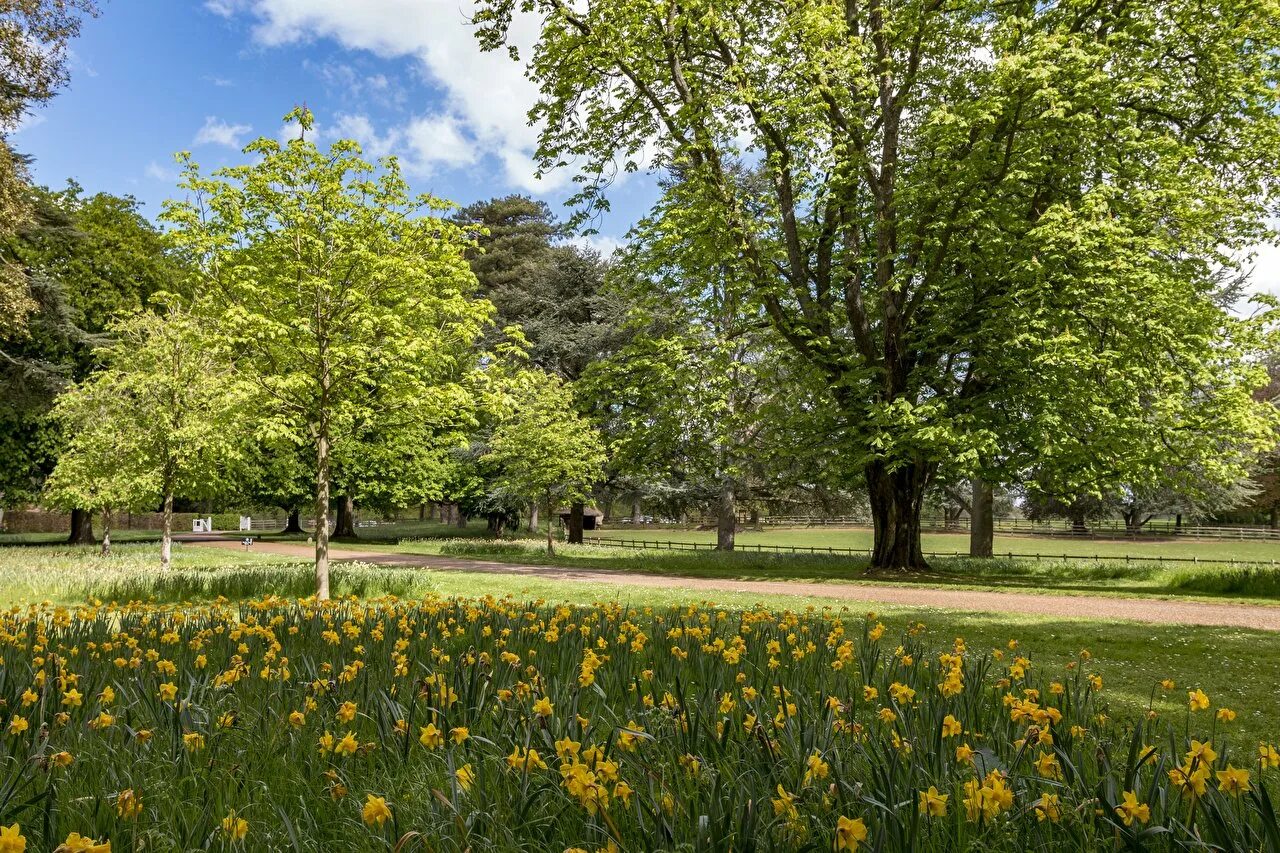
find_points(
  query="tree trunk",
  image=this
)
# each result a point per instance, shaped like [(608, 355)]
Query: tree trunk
[(166, 536), (493, 523), (459, 517), (345, 527), (322, 511), (81, 527), (106, 532), (294, 524), (982, 522), (755, 516), (726, 517), (636, 516), (551, 542), (896, 499), (422, 512), (1078, 524), (533, 516), (575, 523)]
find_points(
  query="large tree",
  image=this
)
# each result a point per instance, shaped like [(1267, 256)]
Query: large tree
[(346, 300), (33, 65), (553, 290), (983, 222), (87, 260)]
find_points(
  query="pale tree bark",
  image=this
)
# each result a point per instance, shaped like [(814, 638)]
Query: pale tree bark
[(726, 517), (106, 531), (166, 535), (982, 522), (322, 510), (460, 517), (533, 516), (636, 515)]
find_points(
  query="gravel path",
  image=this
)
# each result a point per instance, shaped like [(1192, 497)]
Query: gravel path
[(1262, 617)]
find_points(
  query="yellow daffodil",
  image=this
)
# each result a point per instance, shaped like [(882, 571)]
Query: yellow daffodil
[(375, 811), (1130, 809), (850, 833), (933, 803)]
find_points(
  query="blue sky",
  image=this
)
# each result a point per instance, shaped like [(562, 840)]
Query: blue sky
[(403, 77)]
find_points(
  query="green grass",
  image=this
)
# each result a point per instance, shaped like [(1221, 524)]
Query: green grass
[(1241, 668), (1077, 576), (950, 543), (61, 538)]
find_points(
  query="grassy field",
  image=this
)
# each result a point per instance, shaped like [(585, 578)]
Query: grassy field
[(949, 543), (1240, 667), (1077, 576)]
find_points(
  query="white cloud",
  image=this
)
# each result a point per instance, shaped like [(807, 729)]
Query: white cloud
[(486, 94), (438, 139), (601, 243), (218, 132), (161, 173)]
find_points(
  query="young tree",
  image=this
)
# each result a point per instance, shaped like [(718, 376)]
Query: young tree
[(160, 419), (329, 282), (543, 448), (94, 473), (965, 202)]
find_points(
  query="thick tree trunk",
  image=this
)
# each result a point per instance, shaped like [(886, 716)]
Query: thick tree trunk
[(636, 515), (1078, 524), (896, 499), (459, 517), (575, 523), (294, 524), (755, 516), (422, 512), (493, 523), (81, 527), (726, 517), (322, 512), (1275, 516), (533, 516), (982, 522), (345, 528), (106, 532), (166, 536)]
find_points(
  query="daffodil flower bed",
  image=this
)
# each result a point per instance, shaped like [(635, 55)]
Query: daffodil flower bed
[(492, 725)]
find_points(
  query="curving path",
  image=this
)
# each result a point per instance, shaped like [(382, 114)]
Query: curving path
[(1162, 611)]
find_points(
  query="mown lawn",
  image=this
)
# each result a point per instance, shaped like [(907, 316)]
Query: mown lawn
[(951, 543), (1239, 668), (1220, 581)]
